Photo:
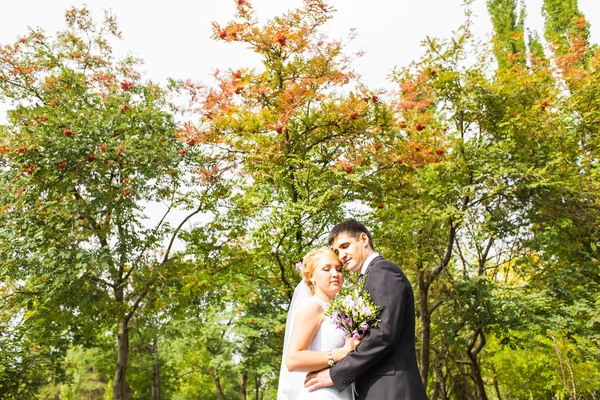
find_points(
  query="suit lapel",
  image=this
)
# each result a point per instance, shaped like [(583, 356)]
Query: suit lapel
[(373, 262)]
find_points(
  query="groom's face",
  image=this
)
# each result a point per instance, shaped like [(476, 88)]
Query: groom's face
[(352, 252)]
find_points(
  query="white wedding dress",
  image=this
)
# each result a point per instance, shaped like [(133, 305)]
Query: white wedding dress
[(327, 337)]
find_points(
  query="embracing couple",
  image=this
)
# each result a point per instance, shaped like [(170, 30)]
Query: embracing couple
[(383, 364)]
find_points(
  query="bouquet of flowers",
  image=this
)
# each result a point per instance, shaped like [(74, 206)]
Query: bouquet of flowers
[(355, 313)]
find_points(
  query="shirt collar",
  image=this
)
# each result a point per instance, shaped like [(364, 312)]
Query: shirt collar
[(367, 262)]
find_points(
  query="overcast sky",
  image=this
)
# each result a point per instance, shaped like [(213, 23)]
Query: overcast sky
[(173, 37)]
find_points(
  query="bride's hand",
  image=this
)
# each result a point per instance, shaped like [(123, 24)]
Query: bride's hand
[(351, 343)]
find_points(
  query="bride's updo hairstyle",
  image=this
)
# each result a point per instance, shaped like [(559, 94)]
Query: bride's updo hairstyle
[(309, 263)]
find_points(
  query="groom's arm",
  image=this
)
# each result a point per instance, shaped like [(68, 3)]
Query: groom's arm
[(388, 289)]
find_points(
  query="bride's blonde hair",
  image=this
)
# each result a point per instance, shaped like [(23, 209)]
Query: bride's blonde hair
[(309, 264)]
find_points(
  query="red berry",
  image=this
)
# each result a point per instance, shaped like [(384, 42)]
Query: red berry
[(182, 152), (281, 39), (544, 104), (125, 109), (91, 157), (402, 124), (378, 146), (62, 164), (348, 169), (352, 115), (420, 127), (279, 129), (190, 141), (102, 148), (439, 152), (375, 99), (125, 85), (68, 132), (380, 205), (125, 181)]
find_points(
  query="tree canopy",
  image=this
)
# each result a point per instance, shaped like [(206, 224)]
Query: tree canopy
[(149, 231)]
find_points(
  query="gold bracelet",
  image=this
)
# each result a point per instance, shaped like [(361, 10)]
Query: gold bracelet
[(330, 359)]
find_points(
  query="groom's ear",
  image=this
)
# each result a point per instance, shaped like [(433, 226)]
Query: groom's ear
[(364, 239)]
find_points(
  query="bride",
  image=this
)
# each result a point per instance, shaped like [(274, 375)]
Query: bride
[(312, 341)]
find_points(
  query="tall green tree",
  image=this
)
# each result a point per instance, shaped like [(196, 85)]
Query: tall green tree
[(565, 25), (508, 20), (89, 154), (294, 129)]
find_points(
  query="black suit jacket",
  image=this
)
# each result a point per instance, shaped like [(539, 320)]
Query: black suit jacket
[(384, 364)]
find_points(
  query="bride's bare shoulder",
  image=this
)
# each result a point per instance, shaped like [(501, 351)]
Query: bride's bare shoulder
[(310, 309)]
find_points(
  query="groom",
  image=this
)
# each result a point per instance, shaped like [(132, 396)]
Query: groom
[(384, 365)]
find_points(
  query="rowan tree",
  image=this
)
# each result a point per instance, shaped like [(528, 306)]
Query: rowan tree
[(89, 154)]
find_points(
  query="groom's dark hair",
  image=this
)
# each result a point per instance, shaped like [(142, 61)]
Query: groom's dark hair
[(352, 228)]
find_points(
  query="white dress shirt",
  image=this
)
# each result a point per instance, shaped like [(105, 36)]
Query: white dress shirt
[(365, 265)]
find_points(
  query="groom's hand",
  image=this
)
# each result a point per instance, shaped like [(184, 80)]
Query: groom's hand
[(318, 379)]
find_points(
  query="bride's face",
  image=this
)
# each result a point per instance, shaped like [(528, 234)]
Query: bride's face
[(328, 276)]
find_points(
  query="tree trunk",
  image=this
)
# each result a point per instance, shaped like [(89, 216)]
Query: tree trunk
[(425, 326), (475, 368), (438, 378), (257, 386), (155, 371), (425, 281), (218, 386), (496, 387), (244, 384), (119, 388)]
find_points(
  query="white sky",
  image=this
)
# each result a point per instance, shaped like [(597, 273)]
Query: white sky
[(173, 37)]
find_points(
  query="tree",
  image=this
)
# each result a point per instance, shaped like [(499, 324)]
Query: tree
[(458, 191), (509, 30), (292, 129), (89, 147)]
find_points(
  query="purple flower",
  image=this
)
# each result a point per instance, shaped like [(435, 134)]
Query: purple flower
[(364, 326), (348, 302), (298, 265)]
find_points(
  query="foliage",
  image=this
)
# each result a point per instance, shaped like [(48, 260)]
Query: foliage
[(478, 174)]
